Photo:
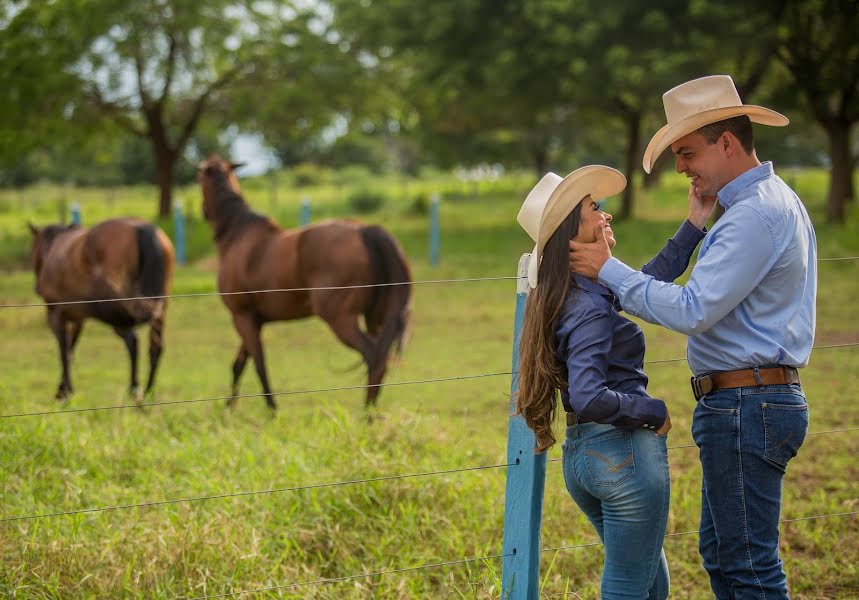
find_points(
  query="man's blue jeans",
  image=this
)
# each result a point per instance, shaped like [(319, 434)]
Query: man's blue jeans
[(746, 437), (619, 479)]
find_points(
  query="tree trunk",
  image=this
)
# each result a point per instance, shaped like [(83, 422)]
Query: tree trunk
[(651, 180), (841, 175), (633, 160), (165, 160), (541, 161)]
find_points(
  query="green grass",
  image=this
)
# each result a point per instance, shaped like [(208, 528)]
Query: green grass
[(72, 461)]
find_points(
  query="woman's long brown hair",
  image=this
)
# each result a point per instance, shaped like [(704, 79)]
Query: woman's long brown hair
[(541, 373)]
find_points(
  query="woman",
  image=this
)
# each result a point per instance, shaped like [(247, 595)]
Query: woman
[(574, 340)]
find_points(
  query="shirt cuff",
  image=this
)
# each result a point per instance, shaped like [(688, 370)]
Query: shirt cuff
[(656, 414), (688, 235), (613, 273)]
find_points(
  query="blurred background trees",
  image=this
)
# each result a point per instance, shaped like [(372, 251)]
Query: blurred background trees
[(108, 92)]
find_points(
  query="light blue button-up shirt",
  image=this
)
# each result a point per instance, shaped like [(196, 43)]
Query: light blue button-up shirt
[(751, 297)]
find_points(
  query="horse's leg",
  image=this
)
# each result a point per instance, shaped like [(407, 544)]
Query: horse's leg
[(249, 327), (130, 339), (238, 369), (346, 328), (58, 326), (156, 346)]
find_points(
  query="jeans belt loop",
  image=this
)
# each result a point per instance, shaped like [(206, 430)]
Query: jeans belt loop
[(758, 377)]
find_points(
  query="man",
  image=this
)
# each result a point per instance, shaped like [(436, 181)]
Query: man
[(749, 312)]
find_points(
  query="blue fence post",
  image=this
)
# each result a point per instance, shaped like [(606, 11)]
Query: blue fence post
[(526, 478), (179, 231), (76, 213), (435, 229), (304, 217)]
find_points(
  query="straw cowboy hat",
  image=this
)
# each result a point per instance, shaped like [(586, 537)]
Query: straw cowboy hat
[(554, 198), (699, 102)]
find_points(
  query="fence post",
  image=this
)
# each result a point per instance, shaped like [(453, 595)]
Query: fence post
[(435, 229), (179, 231), (526, 477), (76, 213), (304, 217)]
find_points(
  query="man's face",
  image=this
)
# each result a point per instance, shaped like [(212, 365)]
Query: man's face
[(704, 163)]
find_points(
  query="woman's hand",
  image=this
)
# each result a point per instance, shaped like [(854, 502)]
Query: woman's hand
[(666, 426)]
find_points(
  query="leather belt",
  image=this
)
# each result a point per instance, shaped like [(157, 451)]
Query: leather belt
[(573, 419), (756, 376)]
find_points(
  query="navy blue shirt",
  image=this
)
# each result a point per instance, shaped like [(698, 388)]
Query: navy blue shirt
[(604, 351)]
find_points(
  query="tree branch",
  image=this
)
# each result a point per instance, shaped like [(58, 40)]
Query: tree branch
[(200, 103), (171, 66), (115, 111)]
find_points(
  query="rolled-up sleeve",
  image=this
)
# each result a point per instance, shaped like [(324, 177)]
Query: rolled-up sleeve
[(739, 255), (587, 342)]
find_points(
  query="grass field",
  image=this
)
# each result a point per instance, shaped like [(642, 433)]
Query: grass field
[(68, 461)]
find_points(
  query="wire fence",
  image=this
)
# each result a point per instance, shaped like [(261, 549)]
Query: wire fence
[(299, 289), (436, 565), (142, 405), (334, 484)]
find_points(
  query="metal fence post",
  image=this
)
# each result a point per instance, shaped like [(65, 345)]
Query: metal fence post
[(76, 213), (179, 231), (304, 217), (526, 478), (435, 229)]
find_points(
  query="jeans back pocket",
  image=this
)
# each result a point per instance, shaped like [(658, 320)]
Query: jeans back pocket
[(785, 427), (609, 458)]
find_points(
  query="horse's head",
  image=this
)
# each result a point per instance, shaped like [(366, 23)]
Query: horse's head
[(43, 237), (216, 174)]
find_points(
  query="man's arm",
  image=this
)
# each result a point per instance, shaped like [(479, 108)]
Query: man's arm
[(740, 254)]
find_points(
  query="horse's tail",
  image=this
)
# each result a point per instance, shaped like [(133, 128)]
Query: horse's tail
[(389, 311), (152, 264)]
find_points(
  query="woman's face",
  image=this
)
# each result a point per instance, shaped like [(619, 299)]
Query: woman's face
[(592, 223)]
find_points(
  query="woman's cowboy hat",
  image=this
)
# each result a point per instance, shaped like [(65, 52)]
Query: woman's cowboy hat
[(699, 102), (554, 198)]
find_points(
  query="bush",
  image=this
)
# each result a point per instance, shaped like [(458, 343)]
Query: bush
[(419, 205), (307, 174), (366, 201)]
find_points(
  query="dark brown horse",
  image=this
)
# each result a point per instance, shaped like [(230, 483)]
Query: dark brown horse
[(119, 258), (256, 254)]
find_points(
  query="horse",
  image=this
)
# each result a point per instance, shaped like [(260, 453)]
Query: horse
[(254, 253), (118, 258)]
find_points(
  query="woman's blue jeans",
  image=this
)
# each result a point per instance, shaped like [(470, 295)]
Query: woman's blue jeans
[(746, 437), (619, 479)]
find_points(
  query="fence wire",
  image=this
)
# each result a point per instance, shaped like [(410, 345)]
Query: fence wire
[(143, 405), (457, 562), (298, 488), (300, 289)]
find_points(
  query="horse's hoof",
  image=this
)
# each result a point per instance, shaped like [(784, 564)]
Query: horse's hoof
[(63, 395)]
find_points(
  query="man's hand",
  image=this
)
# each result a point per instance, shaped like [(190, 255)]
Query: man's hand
[(588, 259), (700, 207), (666, 426)]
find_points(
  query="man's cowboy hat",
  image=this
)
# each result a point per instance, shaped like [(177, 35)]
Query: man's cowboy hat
[(699, 102), (554, 198)]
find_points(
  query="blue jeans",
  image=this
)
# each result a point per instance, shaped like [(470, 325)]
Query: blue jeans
[(619, 479), (746, 437)]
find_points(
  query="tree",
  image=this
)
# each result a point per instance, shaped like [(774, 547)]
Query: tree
[(820, 48), (151, 67)]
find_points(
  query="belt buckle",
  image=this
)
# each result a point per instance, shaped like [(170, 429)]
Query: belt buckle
[(701, 385)]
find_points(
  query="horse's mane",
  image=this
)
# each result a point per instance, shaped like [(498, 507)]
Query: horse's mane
[(231, 212)]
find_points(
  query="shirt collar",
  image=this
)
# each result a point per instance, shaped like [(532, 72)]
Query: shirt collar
[(728, 194), (592, 286)]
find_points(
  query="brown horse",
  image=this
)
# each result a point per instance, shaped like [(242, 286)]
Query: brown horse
[(119, 258), (256, 254)]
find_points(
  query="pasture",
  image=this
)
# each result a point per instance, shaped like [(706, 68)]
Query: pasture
[(261, 533)]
